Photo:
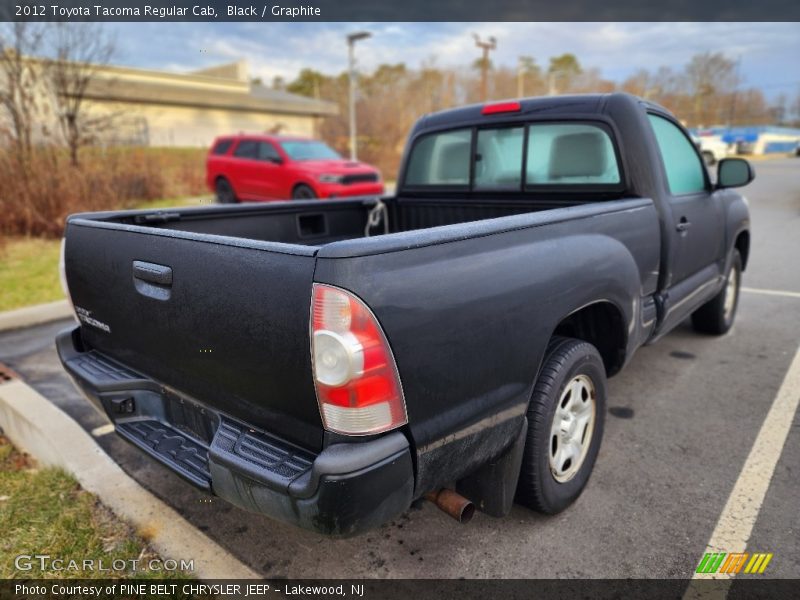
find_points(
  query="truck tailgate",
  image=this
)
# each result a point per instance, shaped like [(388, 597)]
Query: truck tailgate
[(218, 320)]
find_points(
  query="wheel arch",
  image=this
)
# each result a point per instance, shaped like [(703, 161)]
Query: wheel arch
[(602, 324), (742, 244), (304, 183), (223, 177)]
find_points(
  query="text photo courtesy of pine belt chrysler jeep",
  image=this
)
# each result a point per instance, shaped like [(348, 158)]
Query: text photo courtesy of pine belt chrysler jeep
[(450, 342), (247, 168)]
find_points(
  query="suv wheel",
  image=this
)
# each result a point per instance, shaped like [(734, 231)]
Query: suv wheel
[(303, 192), (225, 193)]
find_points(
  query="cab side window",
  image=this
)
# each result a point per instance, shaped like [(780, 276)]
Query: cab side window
[(685, 171)]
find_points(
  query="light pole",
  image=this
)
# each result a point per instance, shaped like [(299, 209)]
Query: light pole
[(351, 43), (486, 47)]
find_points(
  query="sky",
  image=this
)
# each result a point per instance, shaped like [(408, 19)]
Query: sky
[(768, 51)]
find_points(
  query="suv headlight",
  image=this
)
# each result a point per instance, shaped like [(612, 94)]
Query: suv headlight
[(330, 178)]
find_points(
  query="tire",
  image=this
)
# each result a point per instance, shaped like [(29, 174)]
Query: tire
[(708, 158), (548, 484), (224, 191), (303, 192), (717, 315)]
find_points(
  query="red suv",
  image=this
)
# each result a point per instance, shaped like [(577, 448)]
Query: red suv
[(269, 167)]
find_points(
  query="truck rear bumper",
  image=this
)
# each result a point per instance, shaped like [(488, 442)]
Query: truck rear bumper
[(344, 490)]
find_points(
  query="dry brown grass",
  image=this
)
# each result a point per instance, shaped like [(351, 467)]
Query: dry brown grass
[(38, 194)]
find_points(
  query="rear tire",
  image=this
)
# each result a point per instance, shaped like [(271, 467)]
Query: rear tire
[(717, 315), (565, 426), (303, 192), (225, 193)]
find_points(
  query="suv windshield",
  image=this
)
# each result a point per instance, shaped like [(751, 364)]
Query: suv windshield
[(309, 150)]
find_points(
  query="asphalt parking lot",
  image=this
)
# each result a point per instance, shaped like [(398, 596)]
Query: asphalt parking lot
[(683, 418)]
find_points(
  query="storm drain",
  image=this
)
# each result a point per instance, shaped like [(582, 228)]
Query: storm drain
[(6, 374)]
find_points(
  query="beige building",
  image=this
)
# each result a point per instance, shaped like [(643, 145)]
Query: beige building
[(157, 108)]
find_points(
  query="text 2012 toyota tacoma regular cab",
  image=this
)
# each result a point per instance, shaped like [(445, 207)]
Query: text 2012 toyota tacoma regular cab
[(327, 364)]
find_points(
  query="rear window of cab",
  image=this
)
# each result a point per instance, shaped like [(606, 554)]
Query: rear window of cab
[(515, 158)]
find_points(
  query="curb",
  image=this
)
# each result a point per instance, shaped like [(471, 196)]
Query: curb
[(43, 430), (34, 315)]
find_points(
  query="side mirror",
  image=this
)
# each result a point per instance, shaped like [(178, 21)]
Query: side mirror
[(734, 172)]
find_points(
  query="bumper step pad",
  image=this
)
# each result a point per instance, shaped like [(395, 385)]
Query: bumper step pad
[(105, 375), (259, 454), (186, 456)]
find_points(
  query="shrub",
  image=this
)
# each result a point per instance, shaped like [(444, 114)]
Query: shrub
[(38, 193)]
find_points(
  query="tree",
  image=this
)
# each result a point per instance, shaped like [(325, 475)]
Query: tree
[(780, 109), (563, 69), (79, 51), (307, 83), (709, 75), (19, 94), (528, 75), (639, 84), (278, 83), (796, 109)]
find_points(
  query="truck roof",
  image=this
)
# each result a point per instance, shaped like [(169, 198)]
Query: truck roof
[(549, 106)]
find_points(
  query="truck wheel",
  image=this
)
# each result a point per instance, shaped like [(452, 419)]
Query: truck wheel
[(225, 193), (716, 316), (303, 192), (565, 426)]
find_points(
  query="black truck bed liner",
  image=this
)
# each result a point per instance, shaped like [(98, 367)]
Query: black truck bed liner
[(317, 223)]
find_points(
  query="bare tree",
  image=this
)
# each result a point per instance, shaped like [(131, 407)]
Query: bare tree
[(19, 95), (709, 75), (79, 51)]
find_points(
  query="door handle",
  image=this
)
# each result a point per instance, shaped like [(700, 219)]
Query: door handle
[(683, 225), (152, 273), (152, 280)]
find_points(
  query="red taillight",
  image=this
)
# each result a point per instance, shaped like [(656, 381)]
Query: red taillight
[(501, 107), (358, 387)]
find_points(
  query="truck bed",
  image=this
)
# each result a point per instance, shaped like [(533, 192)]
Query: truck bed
[(214, 301), (316, 223)]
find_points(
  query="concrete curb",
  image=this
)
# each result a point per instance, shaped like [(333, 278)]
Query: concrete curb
[(34, 315), (38, 427)]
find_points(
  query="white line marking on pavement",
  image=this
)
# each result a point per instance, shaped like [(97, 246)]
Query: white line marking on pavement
[(735, 524), (103, 430), (783, 293)]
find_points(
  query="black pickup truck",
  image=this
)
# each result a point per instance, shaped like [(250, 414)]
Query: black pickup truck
[(329, 363)]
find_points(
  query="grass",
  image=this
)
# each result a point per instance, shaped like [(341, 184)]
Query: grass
[(29, 266), (29, 272), (45, 511)]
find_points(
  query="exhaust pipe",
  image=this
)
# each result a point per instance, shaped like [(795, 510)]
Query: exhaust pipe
[(453, 503)]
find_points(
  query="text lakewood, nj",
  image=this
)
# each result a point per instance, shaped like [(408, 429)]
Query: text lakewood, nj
[(232, 11)]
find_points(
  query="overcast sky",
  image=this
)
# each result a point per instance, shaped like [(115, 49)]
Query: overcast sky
[(769, 51)]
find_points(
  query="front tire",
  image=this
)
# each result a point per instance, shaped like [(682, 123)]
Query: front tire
[(716, 316), (303, 192), (565, 426), (224, 191)]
